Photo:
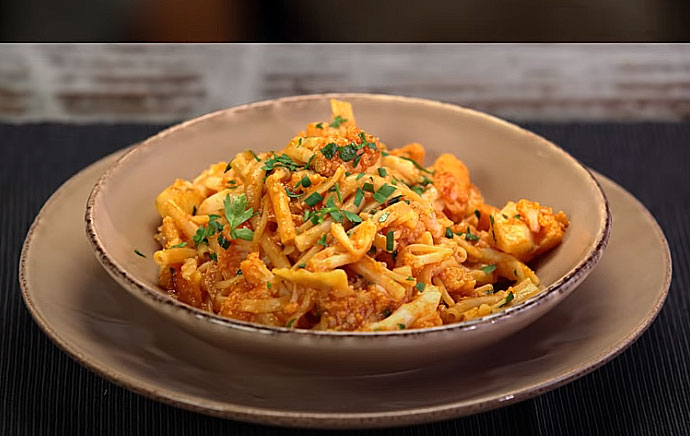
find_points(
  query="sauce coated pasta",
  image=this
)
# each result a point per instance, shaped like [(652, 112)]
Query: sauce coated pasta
[(338, 232)]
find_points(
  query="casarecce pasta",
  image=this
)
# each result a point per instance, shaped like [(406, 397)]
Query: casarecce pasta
[(339, 232)]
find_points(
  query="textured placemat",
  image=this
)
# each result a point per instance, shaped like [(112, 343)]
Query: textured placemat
[(644, 391)]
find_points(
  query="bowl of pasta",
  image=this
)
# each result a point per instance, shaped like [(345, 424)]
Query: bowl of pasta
[(355, 232)]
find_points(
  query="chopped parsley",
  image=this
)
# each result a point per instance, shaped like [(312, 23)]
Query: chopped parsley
[(382, 172), (426, 181), (329, 150), (322, 241), (223, 242), (313, 199), (139, 253), (488, 269), (348, 152), (449, 233), (290, 323), (359, 195), (420, 286), (227, 167), (369, 187), (478, 214), (301, 265), (419, 167), (280, 161), (213, 256), (268, 285), (384, 192), (319, 125), (386, 312), (255, 156), (180, 245), (292, 194), (517, 216), (236, 213), (305, 181), (417, 189), (214, 226), (469, 236), (359, 176), (384, 217), (510, 297), (389, 241), (352, 217), (401, 326), (311, 158), (336, 188), (410, 278), (337, 121), (239, 272)]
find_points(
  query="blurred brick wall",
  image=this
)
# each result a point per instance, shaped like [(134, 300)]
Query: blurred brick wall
[(88, 83)]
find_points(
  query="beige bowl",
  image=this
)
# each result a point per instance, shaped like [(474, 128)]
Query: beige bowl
[(505, 161)]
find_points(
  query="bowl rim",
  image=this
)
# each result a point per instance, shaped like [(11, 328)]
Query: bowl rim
[(157, 297)]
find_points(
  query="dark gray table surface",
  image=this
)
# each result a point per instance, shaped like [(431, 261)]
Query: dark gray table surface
[(646, 389)]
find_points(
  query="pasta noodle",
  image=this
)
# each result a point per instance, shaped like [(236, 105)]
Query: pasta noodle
[(339, 232)]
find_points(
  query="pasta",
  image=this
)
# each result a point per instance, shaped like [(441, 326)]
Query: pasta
[(338, 232)]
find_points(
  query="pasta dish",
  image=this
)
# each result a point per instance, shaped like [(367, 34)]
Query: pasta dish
[(338, 232)]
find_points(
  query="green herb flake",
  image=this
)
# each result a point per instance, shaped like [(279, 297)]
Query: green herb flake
[(384, 192), (401, 326), (313, 199), (419, 167), (180, 245), (410, 278), (359, 195), (359, 176), (389, 241), (329, 150), (510, 297), (319, 125), (268, 285), (372, 145), (280, 161), (337, 121), (384, 217), (488, 269), (223, 242), (227, 167), (417, 189), (139, 253), (246, 234), (306, 182), (239, 272), (347, 153), (322, 241), (213, 256), (420, 286), (255, 156), (369, 187), (357, 159), (382, 172), (292, 194), (386, 312), (449, 233), (337, 192), (518, 216), (301, 265), (352, 217), (384, 153), (478, 214), (311, 158), (236, 213), (290, 323)]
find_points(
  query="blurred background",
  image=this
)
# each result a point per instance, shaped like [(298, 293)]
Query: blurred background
[(170, 82)]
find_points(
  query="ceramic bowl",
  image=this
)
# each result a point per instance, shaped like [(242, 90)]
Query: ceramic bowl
[(505, 161)]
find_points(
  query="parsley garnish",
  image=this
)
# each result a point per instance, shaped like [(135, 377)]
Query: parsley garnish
[(420, 286), (353, 217), (359, 176), (313, 199), (329, 150), (223, 242), (301, 265), (410, 278), (382, 172), (419, 167), (290, 323), (305, 181), (311, 158), (426, 181), (384, 217), (280, 161), (322, 241), (213, 256), (401, 326), (203, 232), (336, 188), (139, 253), (348, 152), (337, 121), (488, 269), (255, 156), (386, 312), (384, 153), (369, 187), (517, 216), (417, 189), (180, 245), (389, 241), (384, 192), (239, 272), (477, 214), (359, 195), (319, 125), (268, 285), (227, 167), (236, 213), (509, 298), (292, 194), (449, 233)]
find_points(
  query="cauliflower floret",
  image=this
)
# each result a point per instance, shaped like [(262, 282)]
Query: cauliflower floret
[(255, 271), (526, 229)]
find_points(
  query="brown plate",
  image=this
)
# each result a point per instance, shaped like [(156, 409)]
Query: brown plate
[(81, 308)]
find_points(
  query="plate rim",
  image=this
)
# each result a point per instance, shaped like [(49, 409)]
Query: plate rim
[(331, 420), (563, 285)]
